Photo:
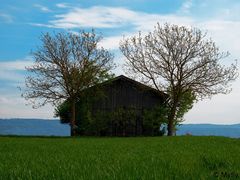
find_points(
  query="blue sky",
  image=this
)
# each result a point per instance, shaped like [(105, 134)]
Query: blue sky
[(22, 22)]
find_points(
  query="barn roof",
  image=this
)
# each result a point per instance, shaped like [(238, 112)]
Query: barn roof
[(134, 83)]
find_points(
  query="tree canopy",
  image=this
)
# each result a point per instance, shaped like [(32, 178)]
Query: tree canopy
[(180, 61), (66, 64)]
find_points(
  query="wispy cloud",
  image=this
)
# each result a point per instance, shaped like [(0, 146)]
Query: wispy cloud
[(97, 16), (11, 103), (62, 5), (42, 25), (6, 18), (11, 100), (109, 17), (221, 109), (42, 8), (13, 106), (15, 65), (11, 71), (186, 6), (224, 33), (112, 42)]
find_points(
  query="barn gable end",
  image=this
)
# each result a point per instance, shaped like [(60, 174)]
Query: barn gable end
[(125, 94)]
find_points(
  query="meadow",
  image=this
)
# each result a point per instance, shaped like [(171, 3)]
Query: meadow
[(183, 157)]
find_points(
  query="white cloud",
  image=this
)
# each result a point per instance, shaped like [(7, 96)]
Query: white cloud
[(41, 25), (110, 17), (11, 100), (11, 103), (186, 6), (110, 42), (11, 76), (13, 106), (6, 18), (225, 33), (97, 16), (10, 70), (62, 5), (15, 65), (221, 109), (42, 8)]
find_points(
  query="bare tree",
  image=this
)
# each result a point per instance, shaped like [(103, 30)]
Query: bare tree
[(65, 65), (178, 60)]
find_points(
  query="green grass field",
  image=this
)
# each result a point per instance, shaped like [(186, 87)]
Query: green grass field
[(185, 157)]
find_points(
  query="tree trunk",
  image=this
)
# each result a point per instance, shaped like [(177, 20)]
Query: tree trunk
[(171, 131), (73, 118), (170, 128)]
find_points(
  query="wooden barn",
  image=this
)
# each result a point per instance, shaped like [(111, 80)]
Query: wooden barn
[(123, 92), (120, 110)]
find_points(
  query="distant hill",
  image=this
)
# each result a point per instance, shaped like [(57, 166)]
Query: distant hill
[(33, 127), (41, 127), (210, 129)]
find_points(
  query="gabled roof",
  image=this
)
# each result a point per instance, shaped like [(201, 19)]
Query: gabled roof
[(135, 83)]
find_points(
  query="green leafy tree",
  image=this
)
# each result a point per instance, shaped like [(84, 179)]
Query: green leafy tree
[(65, 65), (153, 119), (122, 119)]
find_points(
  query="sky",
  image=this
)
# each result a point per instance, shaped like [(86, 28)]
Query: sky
[(23, 22)]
